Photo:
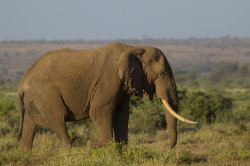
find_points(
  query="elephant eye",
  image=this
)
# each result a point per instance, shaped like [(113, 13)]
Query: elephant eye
[(162, 74)]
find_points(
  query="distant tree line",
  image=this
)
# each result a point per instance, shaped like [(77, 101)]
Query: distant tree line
[(215, 76)]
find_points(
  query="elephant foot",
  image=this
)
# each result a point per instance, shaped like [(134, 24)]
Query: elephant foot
[(24, 145), (93, 145)]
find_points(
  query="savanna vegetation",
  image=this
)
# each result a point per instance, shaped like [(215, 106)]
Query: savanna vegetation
[(216, 94)]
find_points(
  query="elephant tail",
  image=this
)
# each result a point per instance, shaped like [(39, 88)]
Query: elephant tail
[(22, 110)]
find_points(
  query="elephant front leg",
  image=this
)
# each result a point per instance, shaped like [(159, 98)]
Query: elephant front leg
[(102, 119), (120, 122)]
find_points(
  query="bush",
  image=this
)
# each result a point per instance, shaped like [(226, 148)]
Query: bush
[(146, 116), (205, 108), (6, 104), (242, 114)]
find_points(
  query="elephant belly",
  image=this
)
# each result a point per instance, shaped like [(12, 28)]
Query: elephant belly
[(76, 109), (70, 117), (76, 114)]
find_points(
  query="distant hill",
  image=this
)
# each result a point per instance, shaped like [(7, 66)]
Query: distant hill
[(17, 56)]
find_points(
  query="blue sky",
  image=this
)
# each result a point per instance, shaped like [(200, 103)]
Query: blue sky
[(122, 19)]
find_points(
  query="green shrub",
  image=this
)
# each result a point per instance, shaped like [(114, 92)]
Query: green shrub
[(204, 107), (242, 114), (146, 115), (6, 104)]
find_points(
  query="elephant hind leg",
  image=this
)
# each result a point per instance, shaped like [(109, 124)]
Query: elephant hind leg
[(55, 115), (28, 131), (49, 111)]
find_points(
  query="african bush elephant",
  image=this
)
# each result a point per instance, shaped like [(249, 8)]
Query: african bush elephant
[(70, 85)]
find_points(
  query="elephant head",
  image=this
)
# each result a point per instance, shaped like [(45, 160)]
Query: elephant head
[(146, 71)]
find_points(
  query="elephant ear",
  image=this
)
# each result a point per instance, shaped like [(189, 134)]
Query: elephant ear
[(130, 70)]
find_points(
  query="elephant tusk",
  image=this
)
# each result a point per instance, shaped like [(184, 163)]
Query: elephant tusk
[(171, 111)]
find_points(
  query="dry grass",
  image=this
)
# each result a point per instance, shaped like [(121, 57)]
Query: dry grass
[(217, 144)]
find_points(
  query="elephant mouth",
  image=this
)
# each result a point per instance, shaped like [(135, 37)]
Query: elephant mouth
[(172, 112), (148, 91)]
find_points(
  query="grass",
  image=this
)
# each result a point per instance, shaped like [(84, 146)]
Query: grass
[(214, 144)]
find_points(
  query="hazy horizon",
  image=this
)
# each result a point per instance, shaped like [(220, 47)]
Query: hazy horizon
[(131, 19)]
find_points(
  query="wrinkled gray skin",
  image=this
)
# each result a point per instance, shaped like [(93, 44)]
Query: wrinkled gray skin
[(71, 85)]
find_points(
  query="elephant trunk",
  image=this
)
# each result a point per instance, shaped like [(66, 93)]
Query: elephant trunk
[(171, 117), (166, 91), (171, 128)]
